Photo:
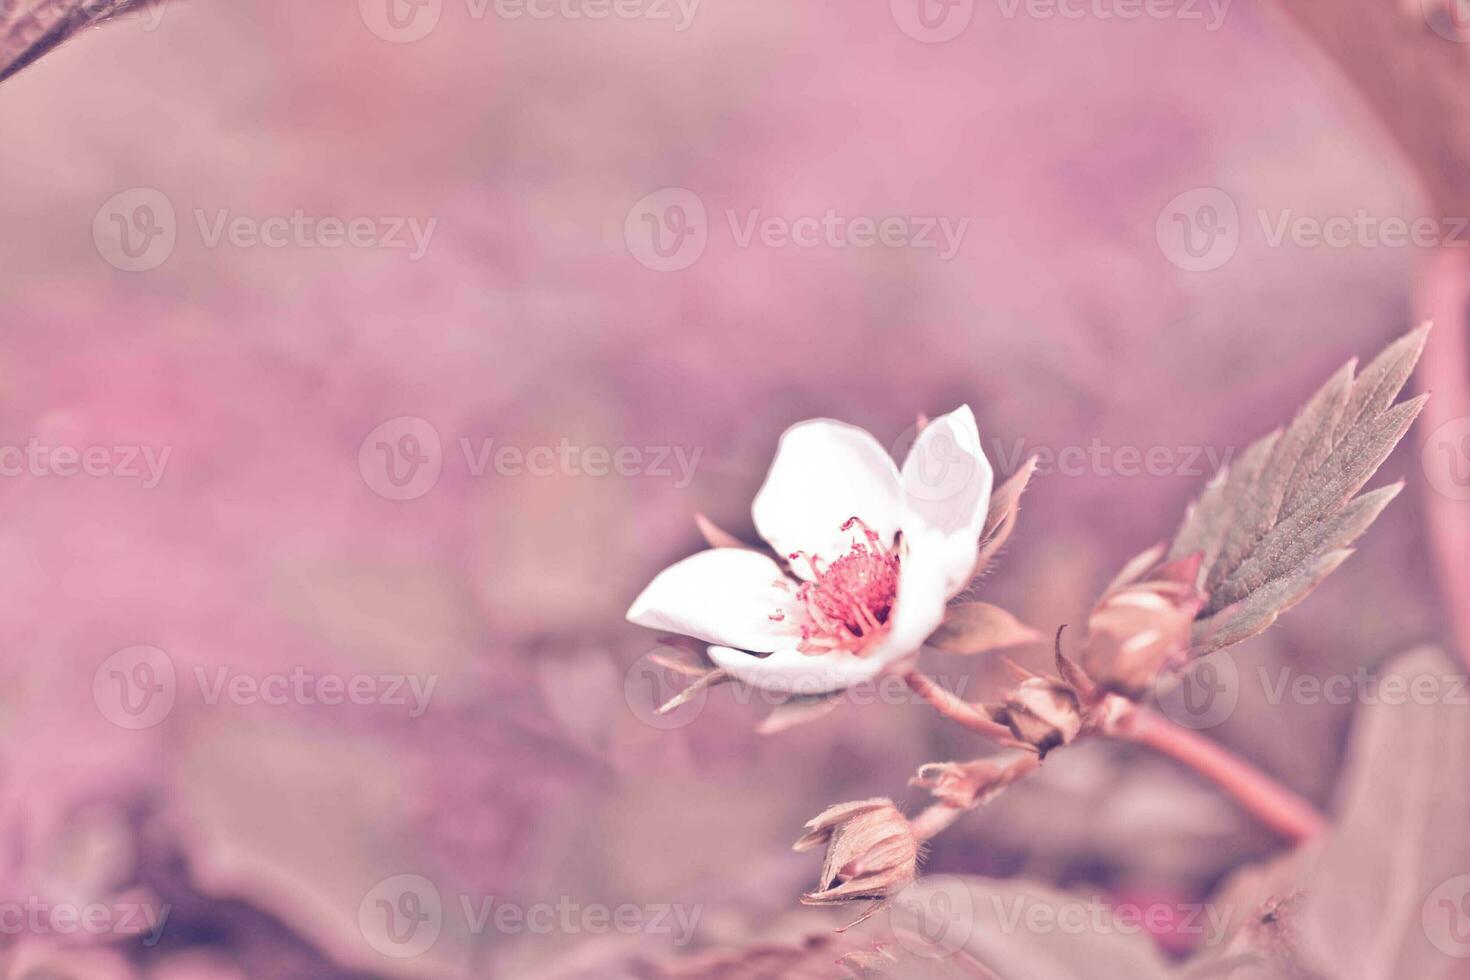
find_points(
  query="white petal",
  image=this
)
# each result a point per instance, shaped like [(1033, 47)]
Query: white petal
[(792, 672), (924, 588), (824, 473), (946, 489), (724, 595)]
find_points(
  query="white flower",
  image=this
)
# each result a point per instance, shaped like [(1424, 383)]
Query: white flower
[(874, 554)]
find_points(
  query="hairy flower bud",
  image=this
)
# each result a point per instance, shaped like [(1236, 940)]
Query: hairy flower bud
[(872, 852), (1042, 712)]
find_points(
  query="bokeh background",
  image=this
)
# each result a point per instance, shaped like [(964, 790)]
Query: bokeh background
[(323, 508)]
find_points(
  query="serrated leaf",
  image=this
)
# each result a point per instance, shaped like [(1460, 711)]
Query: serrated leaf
[(979, 627), (30, 29), (1282, 516), (1252, 615)]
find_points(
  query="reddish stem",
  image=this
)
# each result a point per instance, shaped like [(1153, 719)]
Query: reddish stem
[(934, 819), (1273, 804), (954, 708)]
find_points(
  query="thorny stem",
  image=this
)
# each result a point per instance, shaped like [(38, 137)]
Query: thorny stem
[(1273, 804)]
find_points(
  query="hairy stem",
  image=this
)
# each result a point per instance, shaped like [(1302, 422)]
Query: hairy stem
[(934, 819), (954, 708), (1263, 797)]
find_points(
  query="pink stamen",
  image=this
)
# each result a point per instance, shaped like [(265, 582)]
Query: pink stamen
[(848, 601)]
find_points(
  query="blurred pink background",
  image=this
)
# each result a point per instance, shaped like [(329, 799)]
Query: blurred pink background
[(269, 544)]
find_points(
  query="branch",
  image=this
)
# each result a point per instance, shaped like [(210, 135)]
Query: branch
[(1273, 804), (954, 708)]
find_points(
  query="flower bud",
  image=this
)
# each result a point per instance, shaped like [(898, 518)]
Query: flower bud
[(1139, 627), (872, 852), (1042, 712)]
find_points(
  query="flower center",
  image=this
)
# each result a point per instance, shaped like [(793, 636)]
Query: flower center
[(849, 599)]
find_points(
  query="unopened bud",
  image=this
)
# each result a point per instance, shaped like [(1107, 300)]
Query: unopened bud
[(1042, 713), (1139, 628), (872, 852)]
